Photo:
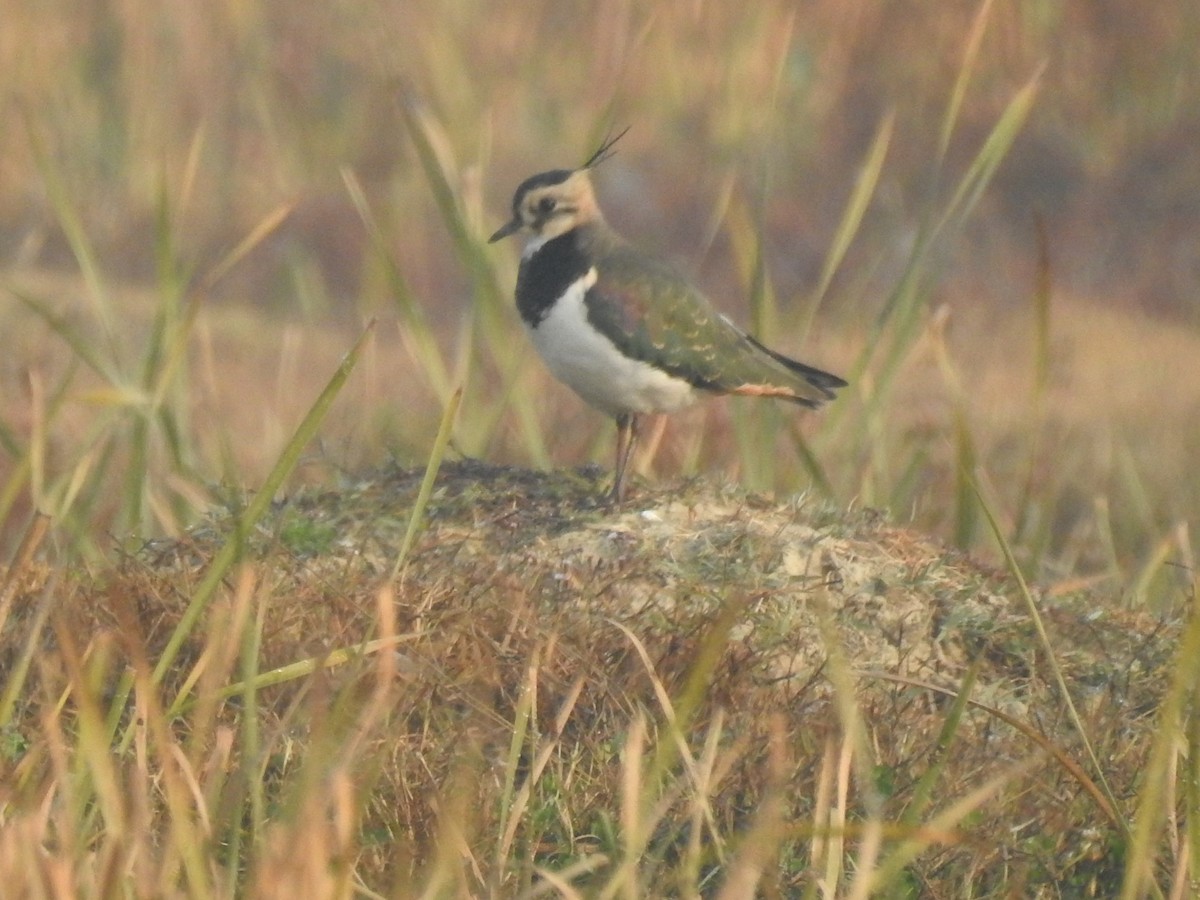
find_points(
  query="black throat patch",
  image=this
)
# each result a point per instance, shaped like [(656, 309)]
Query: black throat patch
[(546, 275)]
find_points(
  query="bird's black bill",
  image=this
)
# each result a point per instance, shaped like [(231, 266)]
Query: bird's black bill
[(505, 230)]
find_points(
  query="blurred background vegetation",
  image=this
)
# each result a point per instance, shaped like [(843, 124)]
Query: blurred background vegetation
[(201, 203)]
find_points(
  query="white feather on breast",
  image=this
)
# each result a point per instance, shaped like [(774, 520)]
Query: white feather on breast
[(591, 365)]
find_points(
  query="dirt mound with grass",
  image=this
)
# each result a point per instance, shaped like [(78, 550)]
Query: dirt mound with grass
[(716, 654)]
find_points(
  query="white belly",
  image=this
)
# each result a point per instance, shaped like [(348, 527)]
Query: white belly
[(589, 363)]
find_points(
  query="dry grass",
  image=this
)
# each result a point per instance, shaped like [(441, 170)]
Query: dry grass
[(229, 672), (536, 647)]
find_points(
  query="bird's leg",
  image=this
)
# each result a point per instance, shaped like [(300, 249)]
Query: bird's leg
[(627, 434)]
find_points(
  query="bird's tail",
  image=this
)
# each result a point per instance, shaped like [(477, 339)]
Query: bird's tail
[(825, 382)]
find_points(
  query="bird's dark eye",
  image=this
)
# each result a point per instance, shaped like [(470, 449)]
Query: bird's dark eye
[(546, 205)]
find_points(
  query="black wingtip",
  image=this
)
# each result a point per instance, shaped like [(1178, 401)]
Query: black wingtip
[(826, 382)]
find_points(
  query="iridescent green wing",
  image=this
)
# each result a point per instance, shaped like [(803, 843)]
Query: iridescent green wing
[(652, 313)]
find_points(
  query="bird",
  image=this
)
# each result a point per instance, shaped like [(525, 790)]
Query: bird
[(623, 329)]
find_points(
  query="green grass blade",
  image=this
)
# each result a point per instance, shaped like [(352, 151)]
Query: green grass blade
[(991, 154), (22, 472), (416, 325), (922, 792), (231, 550), (860, 198), (1043, 294), (959, 810), (1157, 796), (16, 675), (965, 454), (965, 460), (1031, 730), (1041, 300), (1035, 617), (494, 331), (445, 429), (524, 720), (959, 91), (896, 328), (82, 346), (423, 132), (260, 232), (251, 740), (290, 672), (1191, 808), (76, 235)]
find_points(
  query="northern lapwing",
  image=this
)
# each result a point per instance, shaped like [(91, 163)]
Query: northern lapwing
[(625, 331)]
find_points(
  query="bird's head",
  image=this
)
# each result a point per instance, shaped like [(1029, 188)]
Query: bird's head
[(552, 203)]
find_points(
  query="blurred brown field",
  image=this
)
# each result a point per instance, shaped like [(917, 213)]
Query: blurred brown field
[(144, 142)]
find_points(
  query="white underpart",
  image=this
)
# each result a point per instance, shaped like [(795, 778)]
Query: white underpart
[(591, 365)]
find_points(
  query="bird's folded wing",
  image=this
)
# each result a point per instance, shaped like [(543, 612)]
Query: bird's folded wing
[(651, 313)]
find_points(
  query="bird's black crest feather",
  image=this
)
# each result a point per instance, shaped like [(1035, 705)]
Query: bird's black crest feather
[(605, 151)]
